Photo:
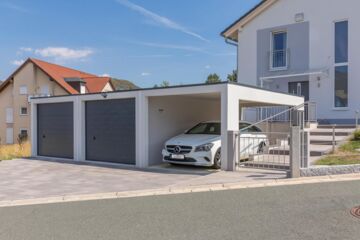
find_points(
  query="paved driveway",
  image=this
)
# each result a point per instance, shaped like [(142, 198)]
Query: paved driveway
[(27, 179)]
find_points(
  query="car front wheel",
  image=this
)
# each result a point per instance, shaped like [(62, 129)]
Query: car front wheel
[(217, 159)]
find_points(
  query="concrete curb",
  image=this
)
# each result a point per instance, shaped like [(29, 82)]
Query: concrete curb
[(181, 190)]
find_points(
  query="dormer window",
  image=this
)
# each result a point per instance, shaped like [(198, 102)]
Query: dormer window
[(77, 83)]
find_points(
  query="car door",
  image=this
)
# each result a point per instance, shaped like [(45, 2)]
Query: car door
[(246, 141), (250, 140)]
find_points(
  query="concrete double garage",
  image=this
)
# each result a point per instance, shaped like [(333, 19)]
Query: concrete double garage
[(131, 127)]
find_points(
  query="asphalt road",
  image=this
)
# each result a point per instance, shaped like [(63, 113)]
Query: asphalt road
[(315, 211)]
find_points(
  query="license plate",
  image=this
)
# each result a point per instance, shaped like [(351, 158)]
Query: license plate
[(175, 156)]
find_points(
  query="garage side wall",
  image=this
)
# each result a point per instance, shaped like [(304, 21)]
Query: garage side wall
[(172, 115)]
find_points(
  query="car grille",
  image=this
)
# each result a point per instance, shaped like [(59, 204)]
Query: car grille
[(183, 149)]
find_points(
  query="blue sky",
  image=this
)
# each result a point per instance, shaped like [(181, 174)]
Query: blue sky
[(143, 41)]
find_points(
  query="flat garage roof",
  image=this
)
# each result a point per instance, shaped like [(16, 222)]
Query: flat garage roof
[(249, 96)]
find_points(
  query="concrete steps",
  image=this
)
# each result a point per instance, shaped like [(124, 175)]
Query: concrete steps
[(315, 150), (326, 140), (342, 126), (267, 161), (321, 140)]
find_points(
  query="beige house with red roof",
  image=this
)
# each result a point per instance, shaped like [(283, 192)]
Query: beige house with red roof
[(38, 78)]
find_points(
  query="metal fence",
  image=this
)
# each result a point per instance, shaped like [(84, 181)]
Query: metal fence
[(279, 113), (268, 150), (276, 149)]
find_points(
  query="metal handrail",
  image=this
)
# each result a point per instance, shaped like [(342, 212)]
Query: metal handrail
[(278, 114)]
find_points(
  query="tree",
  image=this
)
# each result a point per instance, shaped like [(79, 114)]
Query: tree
[(232, 77), (165, 84), (213, 78)]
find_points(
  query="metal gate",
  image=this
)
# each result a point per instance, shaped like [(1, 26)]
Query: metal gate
[(268, 150), (274, 147)]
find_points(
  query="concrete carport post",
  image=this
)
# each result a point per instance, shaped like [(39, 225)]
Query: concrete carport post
[(229, 126), (142, 130)]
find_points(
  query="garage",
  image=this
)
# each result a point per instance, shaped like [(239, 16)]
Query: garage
[(131, 127), (55, 130), (110, 131)]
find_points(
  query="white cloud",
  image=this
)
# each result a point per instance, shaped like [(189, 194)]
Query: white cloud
[(17, 62), (14, 7), (64, 53), (161, 20), (207, 66), (105, 75), (153, 56), (144, 74), (172, 46), (226, 54), (26, 49)]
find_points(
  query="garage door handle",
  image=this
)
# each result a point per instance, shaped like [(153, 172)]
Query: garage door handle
[(94, 138)]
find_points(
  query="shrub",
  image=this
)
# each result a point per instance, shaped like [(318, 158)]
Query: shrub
[(8, 152), (357, 135)]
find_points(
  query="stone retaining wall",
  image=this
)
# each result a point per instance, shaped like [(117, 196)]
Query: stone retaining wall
[(329, 170)]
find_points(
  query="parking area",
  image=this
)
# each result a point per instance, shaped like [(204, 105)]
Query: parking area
[(35, 178)]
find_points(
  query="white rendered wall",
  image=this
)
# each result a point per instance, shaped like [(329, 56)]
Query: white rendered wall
[(321, 14)]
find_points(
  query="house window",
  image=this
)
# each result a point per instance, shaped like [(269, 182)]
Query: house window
[(9, 115), (341, 42), (23, 111), (341, 65), (341, 86), (23, 135), (44, 90), (278, 53), (23, 90)]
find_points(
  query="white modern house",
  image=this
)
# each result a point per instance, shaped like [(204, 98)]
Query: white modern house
[(307, 47)]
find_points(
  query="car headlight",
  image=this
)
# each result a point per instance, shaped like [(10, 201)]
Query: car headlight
[(204, 148)]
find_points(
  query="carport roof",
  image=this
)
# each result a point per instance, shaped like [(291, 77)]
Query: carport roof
[(172, 87)]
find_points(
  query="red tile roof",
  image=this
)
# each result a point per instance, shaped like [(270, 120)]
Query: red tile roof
[(96, 84), (60, 73)]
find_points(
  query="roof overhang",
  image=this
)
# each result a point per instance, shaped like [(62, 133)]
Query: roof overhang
[(74, 79), (231, 31), (311, 72)]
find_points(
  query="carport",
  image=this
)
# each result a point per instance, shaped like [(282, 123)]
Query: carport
[(130, 127)]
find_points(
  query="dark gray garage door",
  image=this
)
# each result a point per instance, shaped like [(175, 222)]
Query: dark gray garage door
[(110, 131), (55, 130)]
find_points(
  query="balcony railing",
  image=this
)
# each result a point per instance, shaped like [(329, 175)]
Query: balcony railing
[(279, 59)]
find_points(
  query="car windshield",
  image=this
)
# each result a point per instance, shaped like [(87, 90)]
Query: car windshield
[(214, 128), (210, 128)]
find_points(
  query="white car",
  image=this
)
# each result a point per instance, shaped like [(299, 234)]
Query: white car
[(201, 145)]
